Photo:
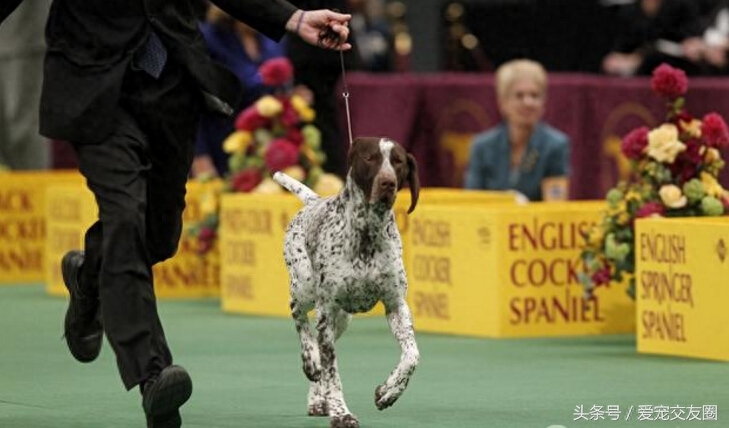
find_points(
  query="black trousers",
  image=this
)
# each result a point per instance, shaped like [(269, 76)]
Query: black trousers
[(138, 176)]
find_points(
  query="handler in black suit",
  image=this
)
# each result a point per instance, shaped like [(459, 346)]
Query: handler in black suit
[(125, 82)]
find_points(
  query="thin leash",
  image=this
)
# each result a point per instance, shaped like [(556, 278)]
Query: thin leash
[(328, 33), (345, 95)]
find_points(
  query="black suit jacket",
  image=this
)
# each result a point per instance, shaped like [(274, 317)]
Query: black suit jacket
[(91, 43)]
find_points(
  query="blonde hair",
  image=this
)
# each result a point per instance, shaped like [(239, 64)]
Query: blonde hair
[(511, 71)]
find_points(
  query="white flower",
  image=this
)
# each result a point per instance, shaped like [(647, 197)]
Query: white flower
[(663, 143), (672, 196)]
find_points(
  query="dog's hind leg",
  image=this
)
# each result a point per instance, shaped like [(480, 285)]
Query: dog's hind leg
[(341, 322), (327, 317)]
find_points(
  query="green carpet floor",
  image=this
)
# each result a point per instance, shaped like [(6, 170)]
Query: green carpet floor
[(246, 373)]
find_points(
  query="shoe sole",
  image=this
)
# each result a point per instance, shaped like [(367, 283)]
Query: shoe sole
[(66, 272), (171, 391)]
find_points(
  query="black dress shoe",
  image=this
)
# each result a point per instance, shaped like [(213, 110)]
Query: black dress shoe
[(163, 395), (83, 330)]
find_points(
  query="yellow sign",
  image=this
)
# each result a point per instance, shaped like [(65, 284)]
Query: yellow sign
[(71, 210), (507, 271), (254, 279), (681, 293), (22, 223)]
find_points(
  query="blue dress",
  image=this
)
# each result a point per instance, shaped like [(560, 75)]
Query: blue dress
[(489, 168), (224, 46)]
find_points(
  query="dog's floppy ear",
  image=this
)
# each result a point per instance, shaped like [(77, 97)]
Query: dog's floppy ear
[(351, 151), (413, 182)]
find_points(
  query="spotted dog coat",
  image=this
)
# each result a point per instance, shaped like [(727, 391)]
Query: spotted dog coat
[(344, 254)]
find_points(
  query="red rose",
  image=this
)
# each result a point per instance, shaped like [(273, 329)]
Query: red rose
[(295, 136), (602, 276), (669, 82), (714, 131), (281, 154), (288, 116), (650, 209), (205, 240), (276, 71), (246, 180), (207, 234), (250, 120), (635, 143), (683, 169)]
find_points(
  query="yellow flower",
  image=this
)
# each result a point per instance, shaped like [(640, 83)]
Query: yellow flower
[(269, 106), (296, 172), (328, 185), (268, 187), (237, 142), (310, 155), (623, 218), (693, 128), (672, 196), (632, 195), (596, 235), (306, 113), (298, 102), (663, 143), (712, 155), (711, 186)]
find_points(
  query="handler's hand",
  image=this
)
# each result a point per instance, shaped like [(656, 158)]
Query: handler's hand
[(310, 25)]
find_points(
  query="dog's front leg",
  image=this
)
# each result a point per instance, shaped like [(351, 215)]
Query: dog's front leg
[(339, 414), (401, 324)]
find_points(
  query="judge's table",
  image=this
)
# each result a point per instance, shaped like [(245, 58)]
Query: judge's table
[(70, 210), (681, 286)]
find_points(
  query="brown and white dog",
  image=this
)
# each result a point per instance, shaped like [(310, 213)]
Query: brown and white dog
[(344, 254)]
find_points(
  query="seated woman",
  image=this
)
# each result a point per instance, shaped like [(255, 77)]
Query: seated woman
[(522, 153)]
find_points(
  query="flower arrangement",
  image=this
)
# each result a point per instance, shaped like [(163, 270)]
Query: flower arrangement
[(674, 173), (274, 134)]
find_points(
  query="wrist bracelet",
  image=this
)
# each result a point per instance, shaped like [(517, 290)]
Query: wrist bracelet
[(298, 24)]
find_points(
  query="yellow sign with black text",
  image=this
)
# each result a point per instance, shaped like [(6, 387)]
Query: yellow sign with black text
[(508, 271), (71, 210), (254, 279), (681, 292), (22, 223)]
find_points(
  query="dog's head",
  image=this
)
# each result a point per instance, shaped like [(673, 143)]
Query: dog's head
[(380, 167)]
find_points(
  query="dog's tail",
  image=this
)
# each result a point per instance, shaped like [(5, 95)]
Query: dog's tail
[(296, 187)]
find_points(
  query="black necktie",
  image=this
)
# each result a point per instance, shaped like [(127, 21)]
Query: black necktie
[(152, 56)]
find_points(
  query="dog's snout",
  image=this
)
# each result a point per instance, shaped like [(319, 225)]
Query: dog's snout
[(387, 185)]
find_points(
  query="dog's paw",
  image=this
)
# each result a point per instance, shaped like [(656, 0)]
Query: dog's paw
[(385, 397), (319, 409), (344, 421)]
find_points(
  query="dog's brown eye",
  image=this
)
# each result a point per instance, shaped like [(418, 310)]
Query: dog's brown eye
[(397, 161)]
